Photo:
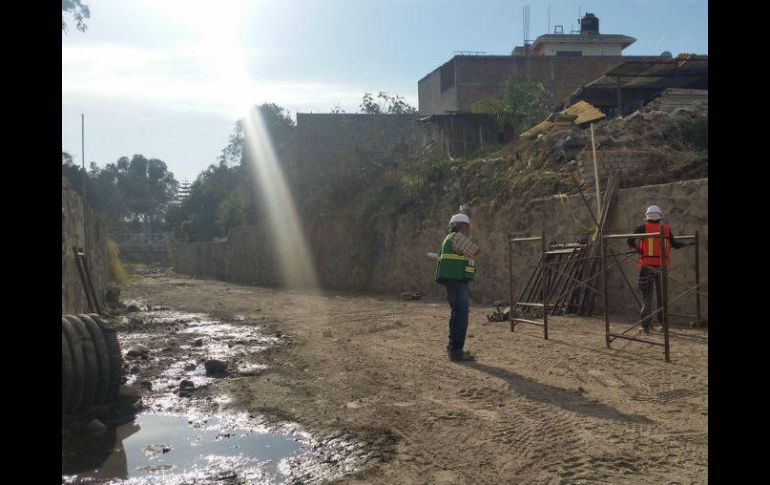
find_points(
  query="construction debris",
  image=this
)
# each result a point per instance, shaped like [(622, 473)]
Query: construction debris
[(584, 112), (578, 114), (500, 315)]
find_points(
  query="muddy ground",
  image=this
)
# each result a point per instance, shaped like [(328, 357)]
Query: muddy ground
[(566, 410)]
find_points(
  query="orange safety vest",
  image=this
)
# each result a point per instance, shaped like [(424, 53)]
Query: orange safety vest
[(649, 247)]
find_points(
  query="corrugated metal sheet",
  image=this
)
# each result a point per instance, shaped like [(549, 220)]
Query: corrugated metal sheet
[(585, 112), (577, 114), (641, 80)]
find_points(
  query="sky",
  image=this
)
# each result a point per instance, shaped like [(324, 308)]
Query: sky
[(169, 78)]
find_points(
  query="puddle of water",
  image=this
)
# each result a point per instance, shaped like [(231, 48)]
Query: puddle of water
[(178, 441), (169, 449)]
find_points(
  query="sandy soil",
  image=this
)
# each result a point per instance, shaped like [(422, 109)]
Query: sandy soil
[(566, 410)]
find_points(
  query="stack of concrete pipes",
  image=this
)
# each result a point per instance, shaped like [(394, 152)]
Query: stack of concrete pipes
[(91, 363)]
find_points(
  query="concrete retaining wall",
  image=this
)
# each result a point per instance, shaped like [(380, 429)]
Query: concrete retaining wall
[(73, 297), (388, 255)]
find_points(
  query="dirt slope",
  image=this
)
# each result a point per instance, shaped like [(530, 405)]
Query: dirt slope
[(565, 410)]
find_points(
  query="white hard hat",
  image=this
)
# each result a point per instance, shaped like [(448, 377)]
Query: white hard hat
[(654, 213), (459, 218)]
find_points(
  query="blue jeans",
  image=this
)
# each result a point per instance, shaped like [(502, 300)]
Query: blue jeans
[(649, 285), (457, 296)]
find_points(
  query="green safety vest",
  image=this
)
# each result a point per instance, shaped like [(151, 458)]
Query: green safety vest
[(453, 266)]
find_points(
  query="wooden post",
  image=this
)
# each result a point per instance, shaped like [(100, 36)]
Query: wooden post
[(604, 288), (596, 172)]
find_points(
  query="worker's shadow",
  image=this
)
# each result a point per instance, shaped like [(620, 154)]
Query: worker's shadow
[(557, 396)]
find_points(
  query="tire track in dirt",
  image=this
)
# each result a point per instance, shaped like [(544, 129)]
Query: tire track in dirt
[(516, 416)]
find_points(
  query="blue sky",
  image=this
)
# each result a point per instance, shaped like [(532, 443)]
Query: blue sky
[(168, 78)]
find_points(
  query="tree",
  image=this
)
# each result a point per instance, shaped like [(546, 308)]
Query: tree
[(225, 195), (397, 105), (133, 194), (275, 118), (71, 172), (524, 104), (368, 105), (78, 10), (389, 105), (217, 202)]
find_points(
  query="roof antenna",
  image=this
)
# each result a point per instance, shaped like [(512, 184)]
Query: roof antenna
[(526, 23)]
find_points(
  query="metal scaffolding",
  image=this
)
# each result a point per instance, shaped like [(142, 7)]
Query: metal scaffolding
[(555, 285), (664, 304), (543, 285)]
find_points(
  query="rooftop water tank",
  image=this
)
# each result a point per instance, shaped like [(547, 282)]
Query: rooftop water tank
[(589, 24)]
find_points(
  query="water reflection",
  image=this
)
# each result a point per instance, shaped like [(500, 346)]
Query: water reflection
[(96, 456), (161, 448)]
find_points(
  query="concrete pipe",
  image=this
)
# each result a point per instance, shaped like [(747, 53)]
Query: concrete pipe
[(91, 362)]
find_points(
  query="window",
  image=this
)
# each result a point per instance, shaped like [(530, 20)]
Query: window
[(569, 53)]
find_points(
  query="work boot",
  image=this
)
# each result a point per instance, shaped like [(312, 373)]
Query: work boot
[(461, 356), (645, 329)]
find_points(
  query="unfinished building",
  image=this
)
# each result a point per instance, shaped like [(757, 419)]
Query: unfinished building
[(562, 63)]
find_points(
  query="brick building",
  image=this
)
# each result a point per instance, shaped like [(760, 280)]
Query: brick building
[(562, 63)]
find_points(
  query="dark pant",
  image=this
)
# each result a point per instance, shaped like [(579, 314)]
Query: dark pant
[(457, 296), (649, 278)]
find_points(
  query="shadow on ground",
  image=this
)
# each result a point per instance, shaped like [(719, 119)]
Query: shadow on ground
[(566, 399)]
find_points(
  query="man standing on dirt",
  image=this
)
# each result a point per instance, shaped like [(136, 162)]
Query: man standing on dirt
[(455, 268), (649, 262)]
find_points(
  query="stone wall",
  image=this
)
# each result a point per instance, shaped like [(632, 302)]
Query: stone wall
[(73, 297), (625, 162), (388, 254)]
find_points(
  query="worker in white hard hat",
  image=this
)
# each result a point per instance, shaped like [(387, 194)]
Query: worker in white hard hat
[(650, 260), (454, 269)]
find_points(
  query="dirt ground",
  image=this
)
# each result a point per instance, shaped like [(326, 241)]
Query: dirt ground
[(566, 410)]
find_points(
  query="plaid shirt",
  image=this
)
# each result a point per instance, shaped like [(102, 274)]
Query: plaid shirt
[(463, 245)]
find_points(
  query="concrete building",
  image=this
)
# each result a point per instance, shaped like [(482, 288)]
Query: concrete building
[(562, 63), (589, 42)]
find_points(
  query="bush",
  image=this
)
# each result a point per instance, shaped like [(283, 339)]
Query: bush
[(118, 272), (696, 133)]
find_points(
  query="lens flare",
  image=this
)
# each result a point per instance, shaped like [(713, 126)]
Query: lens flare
[(288, 239)]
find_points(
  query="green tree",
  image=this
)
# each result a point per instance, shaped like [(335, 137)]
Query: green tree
[(524, 104), (217, 202), (71, 171), (78, 10), (224, 195), (369, 106), (397, 105), (387, 105), (133, 194)]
